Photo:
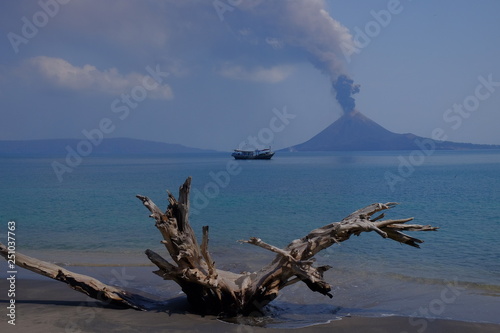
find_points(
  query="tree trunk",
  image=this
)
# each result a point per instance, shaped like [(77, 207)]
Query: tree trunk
[(85, 284), (214, 291)]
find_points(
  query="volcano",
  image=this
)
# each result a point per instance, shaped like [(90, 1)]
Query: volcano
[(356, 132)]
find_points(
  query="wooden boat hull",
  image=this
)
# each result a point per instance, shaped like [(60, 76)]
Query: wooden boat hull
[(266, 156)]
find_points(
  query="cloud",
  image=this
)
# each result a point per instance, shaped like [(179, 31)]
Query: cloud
[(258, 41), (253, 33), (177, 34), (60, 73), (258, 74)]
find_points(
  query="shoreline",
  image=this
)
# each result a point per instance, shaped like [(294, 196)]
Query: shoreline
[(46, 305)]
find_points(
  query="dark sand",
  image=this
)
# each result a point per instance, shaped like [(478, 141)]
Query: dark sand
[(44, 305)]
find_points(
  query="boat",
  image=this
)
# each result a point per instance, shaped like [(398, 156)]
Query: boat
[(257, 154)]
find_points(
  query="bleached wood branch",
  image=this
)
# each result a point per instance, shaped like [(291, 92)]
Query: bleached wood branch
[(82, 283)]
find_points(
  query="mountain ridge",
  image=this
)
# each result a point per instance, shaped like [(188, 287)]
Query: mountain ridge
[(109, 146)]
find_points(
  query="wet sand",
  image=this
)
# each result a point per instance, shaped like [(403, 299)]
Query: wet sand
[(44, 305)]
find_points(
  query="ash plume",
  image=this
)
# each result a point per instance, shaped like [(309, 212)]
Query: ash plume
[(345, 88), (273, 37), (308, 31)]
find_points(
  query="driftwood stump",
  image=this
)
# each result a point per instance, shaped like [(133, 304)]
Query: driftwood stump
[(213, 291)]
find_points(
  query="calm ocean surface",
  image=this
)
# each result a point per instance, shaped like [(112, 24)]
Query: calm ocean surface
[(93, 218)]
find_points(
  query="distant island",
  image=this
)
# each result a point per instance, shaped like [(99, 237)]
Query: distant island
[(109, 146), (353, 131)]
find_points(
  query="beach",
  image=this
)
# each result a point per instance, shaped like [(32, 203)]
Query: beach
[(46, 305), (51, 306)]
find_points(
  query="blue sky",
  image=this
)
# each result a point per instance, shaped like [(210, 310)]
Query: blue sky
[(210, 74)]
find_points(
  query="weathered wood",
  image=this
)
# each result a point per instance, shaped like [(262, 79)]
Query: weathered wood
[(214, 291), (229, 293), (85, 284)]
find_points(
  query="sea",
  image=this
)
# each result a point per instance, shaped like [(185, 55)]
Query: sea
[(90, 220)]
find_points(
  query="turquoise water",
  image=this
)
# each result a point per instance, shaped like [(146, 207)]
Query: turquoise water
[(93, 217)]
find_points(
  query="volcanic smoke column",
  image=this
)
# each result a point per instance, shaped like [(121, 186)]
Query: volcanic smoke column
[(345, 88), (305, 30)]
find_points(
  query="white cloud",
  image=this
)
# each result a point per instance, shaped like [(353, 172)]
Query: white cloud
[(258, 74), (61, 73)]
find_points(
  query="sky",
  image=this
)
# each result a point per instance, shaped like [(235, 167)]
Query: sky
[(219, 73)]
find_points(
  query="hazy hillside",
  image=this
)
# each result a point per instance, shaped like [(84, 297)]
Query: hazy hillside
[(111, 146)]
